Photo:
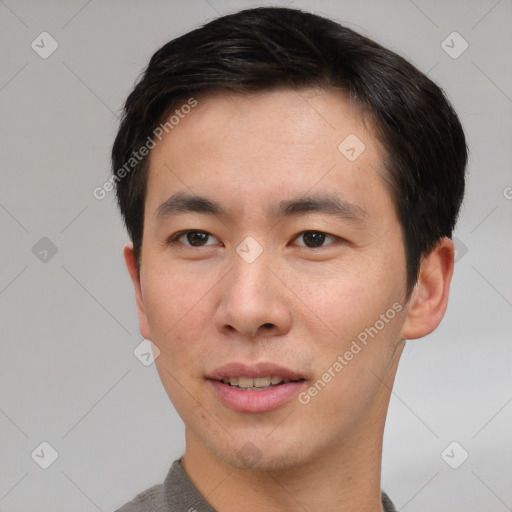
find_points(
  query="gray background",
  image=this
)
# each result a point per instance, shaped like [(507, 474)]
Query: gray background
[(68, 374)]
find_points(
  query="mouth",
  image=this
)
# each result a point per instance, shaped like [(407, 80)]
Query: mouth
[(255, 388), (258, 383)]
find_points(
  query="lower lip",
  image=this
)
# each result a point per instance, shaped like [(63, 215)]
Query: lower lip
[(256, 401)]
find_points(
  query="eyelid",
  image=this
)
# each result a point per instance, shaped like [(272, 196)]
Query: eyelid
[(301, 233), (176, 236)]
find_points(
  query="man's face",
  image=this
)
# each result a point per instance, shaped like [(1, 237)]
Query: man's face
[(275, 282)]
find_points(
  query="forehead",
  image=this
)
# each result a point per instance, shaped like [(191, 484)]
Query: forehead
[(267, 145), (273, 121)]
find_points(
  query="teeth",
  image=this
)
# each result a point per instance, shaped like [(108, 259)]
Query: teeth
[(258, 382), (262, 382), (245, 382)]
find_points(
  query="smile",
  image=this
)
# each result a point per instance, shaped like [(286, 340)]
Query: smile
[(255, 387), (257, 383)]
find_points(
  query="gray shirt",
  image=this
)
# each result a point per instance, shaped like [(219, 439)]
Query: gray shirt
[(179, 494)]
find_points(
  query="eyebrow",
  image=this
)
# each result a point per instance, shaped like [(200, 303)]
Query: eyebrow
[(326, 203)]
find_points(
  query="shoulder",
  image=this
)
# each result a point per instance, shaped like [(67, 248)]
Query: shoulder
[(386, 503), (150, 500)]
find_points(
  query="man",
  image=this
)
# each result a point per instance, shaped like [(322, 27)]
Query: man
[(290, 188)]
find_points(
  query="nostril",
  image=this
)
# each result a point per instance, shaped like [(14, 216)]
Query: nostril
[(268, 326)]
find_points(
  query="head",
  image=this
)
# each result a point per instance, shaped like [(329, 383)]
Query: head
[(343, 164)]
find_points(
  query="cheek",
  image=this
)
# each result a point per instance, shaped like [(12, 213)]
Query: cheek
[(177, 309), (356, 316), (172, 296), (342, 300)]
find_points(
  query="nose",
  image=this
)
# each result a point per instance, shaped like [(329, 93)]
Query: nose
[(254, 300)]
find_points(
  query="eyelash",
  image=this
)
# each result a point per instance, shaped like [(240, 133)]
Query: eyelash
[(174, 239)]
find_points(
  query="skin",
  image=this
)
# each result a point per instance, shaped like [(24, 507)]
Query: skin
[(295, 305)]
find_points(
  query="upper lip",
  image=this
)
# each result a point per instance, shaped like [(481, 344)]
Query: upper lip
[(262, 369)]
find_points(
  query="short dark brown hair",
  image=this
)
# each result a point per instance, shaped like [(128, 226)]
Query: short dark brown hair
[(268, 47)]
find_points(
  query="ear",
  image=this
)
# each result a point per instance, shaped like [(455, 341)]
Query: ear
[(429, 298), (131, 265)]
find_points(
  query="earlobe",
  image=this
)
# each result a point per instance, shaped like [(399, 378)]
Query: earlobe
[(429, 298), (131, 265)]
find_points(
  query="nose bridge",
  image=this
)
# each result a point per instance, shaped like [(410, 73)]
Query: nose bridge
[(252, 295), (250, 276), (250, 261)]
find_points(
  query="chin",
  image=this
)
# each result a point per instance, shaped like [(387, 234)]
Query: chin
[(261, 453)]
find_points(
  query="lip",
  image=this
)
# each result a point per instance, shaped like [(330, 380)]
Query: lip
[(261, 369), (255, 401), (265, 400)]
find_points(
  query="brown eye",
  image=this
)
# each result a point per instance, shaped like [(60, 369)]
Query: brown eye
[(314, 239), (193, 238), (196, 238)]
